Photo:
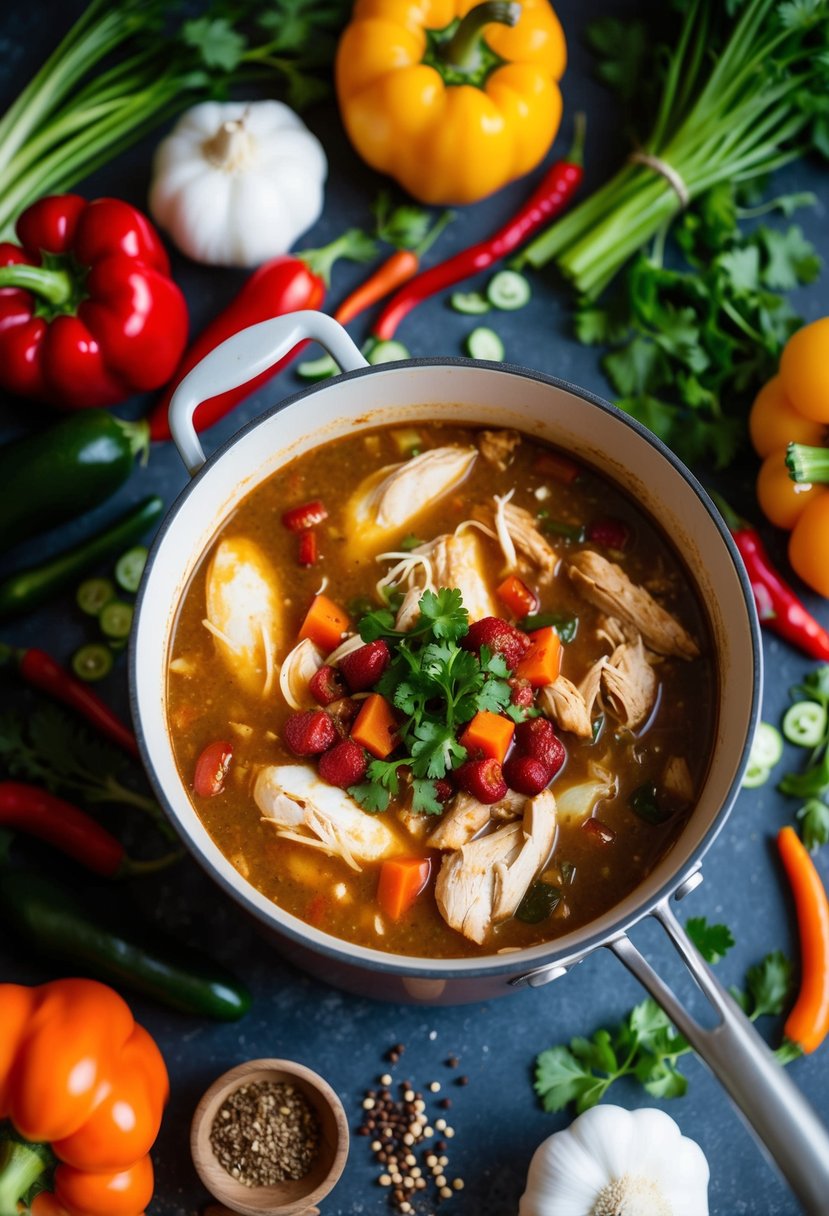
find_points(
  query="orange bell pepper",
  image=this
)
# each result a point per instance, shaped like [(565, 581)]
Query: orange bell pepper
[(453, 98), (79, 1076)]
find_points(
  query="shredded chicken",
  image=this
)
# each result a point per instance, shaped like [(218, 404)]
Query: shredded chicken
[(497, 447), (298, 668), (563, 702), (676, 779), (611, 630), (243, 612), (453, 559), (485, 880), (467, 816), (628, 684), (523, 535), (389, 499), (304, 808), (608, 587)]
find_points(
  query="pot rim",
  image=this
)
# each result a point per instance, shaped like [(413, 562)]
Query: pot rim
[(529, 958)]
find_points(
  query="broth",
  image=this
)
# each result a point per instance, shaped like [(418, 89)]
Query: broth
[(640, 779)]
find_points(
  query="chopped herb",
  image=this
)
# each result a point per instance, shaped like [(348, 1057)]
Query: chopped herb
[(645, 1045), (437, 686), (811, 784), (410, 542), (540, 901), (565, 626), (570, 532), (645, 802), (568, 872)]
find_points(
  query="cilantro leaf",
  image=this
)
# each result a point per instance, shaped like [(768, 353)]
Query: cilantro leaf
[(435, 750), (220, 45), (791, 259), (712, 941), (444, 612), (814, 821), (424, 797), (371, 796), (769, 984), (560, 1078), (377, 624)]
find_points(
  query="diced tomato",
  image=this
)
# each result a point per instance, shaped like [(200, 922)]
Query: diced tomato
[(536, 738), (310, 732), (499, 636), (307, 551), (307, 516), (517, 596), (212, 768), (609, 532), (559, 468), (326, 685), (482, 779), (363, 667), (344, 764), (526, 775)]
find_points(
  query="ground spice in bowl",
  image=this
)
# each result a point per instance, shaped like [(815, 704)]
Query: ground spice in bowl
[(265, 1132)]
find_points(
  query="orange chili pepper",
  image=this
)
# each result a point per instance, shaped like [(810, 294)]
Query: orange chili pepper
[(808, 1022)]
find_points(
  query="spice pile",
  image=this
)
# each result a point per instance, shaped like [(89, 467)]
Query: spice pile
[(265, 1132), (401, 1129)]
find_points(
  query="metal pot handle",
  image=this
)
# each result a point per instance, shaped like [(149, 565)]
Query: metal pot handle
[(243, 357), (785, 1124)]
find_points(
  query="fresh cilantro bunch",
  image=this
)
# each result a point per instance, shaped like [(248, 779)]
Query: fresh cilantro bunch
[(437, 686), (691, 338), (646, 1045), (812, 785)]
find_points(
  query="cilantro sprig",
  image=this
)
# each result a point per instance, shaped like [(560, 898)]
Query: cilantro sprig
[(645, 1045), (437, 686)]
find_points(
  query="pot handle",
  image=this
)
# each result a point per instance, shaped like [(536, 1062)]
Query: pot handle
[(242, 358), (785, 1124)]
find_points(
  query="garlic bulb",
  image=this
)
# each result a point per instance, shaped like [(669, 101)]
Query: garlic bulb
[(235, 184), (615, 1162)]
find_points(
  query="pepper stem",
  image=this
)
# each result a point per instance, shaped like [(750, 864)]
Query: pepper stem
[(462, 51), (434, 232), (807, 464), (56, 286), (21, 1164), (733, 521), (353, 244)]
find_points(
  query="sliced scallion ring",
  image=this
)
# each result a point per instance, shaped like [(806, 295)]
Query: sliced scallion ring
[(130, 567), (508, 290), (804, 723), (93, 594), (767, 748), (116, 619), (755, 775), (92, 662)]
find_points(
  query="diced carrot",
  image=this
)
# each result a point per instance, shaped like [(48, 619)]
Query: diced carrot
[(401, 881), (542, 662), (325, 623), (559, 468), (488, 733), (517, 596), (375, 727)]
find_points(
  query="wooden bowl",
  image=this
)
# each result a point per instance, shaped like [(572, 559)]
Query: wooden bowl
[(290, 1198)]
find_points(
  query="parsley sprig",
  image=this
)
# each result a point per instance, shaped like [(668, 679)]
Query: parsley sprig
[(437, 686), (645, 1045)]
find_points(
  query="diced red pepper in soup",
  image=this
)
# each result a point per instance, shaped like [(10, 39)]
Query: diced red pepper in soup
[(212, 769)]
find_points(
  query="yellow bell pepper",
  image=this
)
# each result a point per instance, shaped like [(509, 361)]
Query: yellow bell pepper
[(451, 98)]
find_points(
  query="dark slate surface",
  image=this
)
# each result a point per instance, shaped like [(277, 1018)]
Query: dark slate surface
[(497, 1121)]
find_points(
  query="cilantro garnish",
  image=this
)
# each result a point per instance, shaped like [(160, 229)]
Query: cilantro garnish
[(646, 1045), (437, 687)]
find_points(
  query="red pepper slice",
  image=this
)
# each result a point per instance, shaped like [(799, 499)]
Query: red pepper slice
[(306, 516), (88, 311), (307, 549)]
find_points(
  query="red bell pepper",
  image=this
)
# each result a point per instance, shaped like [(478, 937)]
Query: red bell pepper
[(281, 286), (88, 311)]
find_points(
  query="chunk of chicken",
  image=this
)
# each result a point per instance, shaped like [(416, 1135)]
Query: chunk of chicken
[(467, 816), (676, 779), (485, 880), (453, 559), (628, 684), (518, 533), (304, 808), (391, 498), (563, 702), (244, 612), (608, 587), (298, 668), (497, 447)]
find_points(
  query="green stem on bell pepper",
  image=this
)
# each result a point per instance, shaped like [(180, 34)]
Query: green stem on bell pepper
[(807, 464)]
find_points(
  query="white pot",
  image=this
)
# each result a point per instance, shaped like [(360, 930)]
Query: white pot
[(594, 433)]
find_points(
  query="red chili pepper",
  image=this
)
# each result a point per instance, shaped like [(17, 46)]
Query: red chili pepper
[(778, 607), (308, 515), (29, 809), (43, 672), (282, 285), (553, 194), (88, 311), (307, 549)]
